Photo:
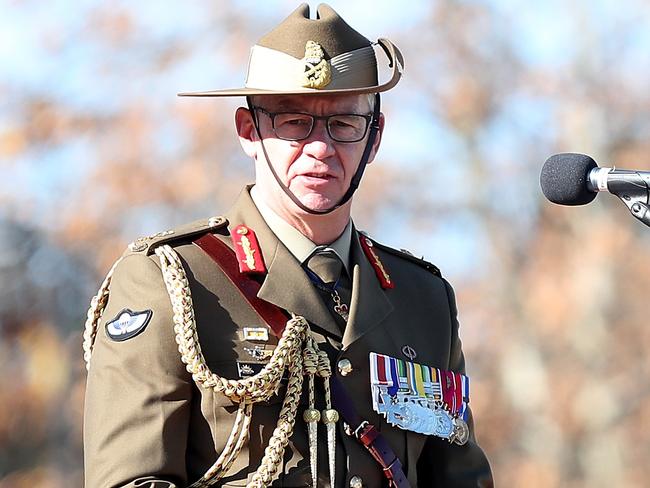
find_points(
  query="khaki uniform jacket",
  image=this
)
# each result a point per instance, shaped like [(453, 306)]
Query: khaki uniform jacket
[(148, 424)]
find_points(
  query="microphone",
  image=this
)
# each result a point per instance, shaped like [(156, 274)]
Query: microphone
[(564, 179), (576, 179)]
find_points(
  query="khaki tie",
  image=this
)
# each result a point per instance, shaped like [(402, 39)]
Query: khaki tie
[(335, 286), (326, 264)]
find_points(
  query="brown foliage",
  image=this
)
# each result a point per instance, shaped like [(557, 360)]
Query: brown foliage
[(552, 300)]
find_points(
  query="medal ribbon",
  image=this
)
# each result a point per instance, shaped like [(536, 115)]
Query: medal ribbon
[(403, 379), (447, 383), (448, 387), (458, 397), (392, 390), (426, 373), (381, 369), (410, 378), (436, 383), (465, 411), (373, 368), (419, 380)]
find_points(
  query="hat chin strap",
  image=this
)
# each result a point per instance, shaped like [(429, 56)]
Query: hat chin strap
[(356, 179)]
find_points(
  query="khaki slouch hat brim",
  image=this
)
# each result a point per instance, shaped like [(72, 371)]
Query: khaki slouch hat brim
[(304, 56)]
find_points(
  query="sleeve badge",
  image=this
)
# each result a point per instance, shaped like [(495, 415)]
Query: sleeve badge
[(127, 324)]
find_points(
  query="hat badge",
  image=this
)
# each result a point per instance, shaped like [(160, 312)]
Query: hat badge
[(318, 72)]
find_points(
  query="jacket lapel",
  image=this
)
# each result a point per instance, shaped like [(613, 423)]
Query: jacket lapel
[(369, 303), (286, 283)]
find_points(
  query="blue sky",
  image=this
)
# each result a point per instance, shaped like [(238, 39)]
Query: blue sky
[(45, 51)]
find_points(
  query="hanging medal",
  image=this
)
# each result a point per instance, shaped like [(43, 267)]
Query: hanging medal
[(420, 398), (340, 307)]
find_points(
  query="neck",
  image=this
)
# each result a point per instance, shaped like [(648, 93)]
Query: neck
[(320, 229)]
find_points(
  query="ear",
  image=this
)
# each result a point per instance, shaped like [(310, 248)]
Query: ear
[(375, 146), (246, 131)]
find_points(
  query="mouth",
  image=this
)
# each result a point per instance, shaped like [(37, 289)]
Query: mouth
[(314, 180), (317, 175), (314, 176)]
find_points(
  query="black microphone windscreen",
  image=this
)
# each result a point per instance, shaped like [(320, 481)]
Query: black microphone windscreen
[(564, 179)]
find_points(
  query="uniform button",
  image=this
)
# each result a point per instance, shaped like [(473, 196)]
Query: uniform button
[(356, 482), (214, 221), (138, 245), (345, 367)]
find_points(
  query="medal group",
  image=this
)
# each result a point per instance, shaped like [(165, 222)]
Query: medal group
[(420, 398)]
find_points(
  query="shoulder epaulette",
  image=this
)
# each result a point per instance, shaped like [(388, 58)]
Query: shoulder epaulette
[(405, 254), (146, 245)]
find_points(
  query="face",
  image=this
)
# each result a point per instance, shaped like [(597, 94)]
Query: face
[(317, 170)]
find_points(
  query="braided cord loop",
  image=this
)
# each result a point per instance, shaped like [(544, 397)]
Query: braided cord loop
[(97, 306), (295, 352), (253, 389), (236, 440)]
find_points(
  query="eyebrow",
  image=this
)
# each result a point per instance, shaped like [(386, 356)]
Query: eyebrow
[(286, 104)]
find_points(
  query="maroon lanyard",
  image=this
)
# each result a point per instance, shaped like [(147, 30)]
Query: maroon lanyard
[(226, 260)]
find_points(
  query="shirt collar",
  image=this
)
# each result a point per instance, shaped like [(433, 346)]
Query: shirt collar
[(300, 246)]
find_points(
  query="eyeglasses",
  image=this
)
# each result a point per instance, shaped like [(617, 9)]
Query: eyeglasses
[(295, 126)]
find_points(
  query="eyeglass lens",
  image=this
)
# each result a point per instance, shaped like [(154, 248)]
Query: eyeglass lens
[(343, 128)]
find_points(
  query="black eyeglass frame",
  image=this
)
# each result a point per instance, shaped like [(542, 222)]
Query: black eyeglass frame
[(315, 118)]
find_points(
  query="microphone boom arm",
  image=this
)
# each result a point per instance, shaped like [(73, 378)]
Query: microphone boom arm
[(634, 191)]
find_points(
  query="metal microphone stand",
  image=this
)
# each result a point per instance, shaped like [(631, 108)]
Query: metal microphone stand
[(635, 196)]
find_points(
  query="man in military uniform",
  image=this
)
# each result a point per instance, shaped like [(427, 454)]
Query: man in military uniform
[(278, 345)]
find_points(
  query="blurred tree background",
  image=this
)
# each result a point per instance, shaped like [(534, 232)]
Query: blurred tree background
[(96, 150)]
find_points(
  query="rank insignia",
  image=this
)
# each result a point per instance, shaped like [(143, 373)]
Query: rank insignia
[(318, 72), (127, 324), (375, 262), (247, 250), (420, 398)]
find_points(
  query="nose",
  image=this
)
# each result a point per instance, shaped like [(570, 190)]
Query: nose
[(319, 144)]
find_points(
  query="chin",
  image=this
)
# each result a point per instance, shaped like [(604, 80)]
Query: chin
[(316, 201)]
